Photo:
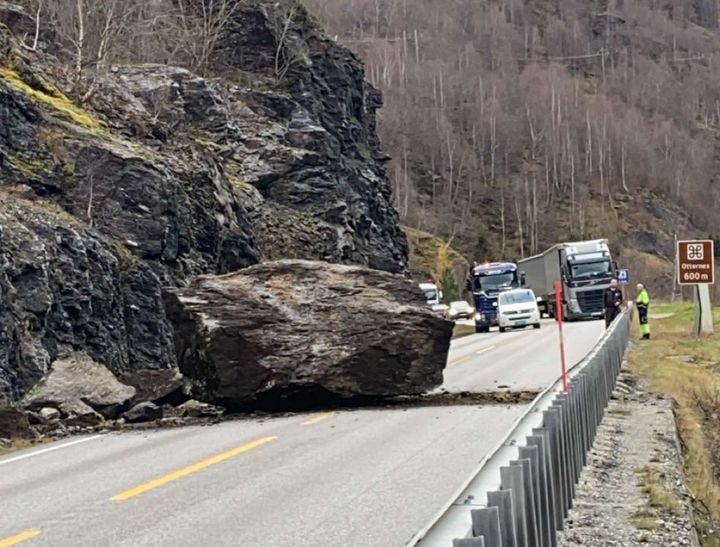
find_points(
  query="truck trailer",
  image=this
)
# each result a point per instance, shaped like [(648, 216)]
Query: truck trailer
[(584, 269)]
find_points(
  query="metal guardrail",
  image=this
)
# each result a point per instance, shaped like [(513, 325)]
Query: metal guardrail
[(520, 495)]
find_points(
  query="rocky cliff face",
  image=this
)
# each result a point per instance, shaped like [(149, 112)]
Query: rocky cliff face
[(162, 175)]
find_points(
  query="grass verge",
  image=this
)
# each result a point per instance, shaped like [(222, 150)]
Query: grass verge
[(461, 330), (658, 496), (687, 368), (646, 522)]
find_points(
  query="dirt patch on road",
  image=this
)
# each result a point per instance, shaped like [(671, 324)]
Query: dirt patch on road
[(468, 398), (7, 445)]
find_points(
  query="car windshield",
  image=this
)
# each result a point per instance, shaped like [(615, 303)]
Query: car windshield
[(516, 297), (590, 269), (460, 306), (494, 283)]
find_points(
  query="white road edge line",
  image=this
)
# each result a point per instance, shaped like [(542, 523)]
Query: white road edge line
[(49, 449)]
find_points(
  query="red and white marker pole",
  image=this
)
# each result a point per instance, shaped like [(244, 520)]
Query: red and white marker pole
[(559, 318)]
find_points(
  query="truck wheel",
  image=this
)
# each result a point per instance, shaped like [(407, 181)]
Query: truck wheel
[(536, 326), (502, 329)]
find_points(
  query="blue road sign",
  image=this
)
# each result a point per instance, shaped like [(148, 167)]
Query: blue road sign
[(623, 277)]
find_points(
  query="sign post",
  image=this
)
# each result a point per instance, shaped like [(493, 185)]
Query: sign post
[(696, 266), (623, 277), (559, 318)]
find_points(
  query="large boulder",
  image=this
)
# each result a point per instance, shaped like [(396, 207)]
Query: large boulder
[(303, 327), (77, 379)]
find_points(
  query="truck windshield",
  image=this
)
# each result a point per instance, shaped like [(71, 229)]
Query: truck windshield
[(516, 297), (590, 269), (431, 295), (493, 283)]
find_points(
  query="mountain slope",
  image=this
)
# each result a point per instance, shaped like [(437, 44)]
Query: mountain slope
[(536, 121)]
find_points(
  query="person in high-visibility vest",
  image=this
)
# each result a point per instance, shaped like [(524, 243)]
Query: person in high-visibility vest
[(643, 303)]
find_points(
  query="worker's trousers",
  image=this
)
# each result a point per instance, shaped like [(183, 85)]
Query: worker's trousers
[(610, 315), (644, 323)]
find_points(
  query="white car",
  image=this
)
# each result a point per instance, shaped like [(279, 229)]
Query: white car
[(517, 309), (459, 310)]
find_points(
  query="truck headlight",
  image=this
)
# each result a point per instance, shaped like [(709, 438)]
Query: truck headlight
[(494, 304), (574, 306), (538, 299), (478, 317)]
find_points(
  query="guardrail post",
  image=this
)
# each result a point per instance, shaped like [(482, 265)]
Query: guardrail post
[(573, 430), (585, 404), (576, 406), (551, 420), (469, 542), (511, 478), (540, 439), (503, 500), (566, 471), (486, 524), (531, 524), (532, 453)]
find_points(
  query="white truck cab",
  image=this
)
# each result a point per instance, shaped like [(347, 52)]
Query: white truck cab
[(518, 308), (433, 298)]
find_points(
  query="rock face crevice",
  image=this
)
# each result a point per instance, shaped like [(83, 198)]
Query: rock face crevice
[(163, 175)]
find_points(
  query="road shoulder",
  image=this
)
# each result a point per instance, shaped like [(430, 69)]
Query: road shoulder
[(632, 492)]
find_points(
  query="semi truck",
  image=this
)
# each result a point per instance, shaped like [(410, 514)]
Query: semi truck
[(432, 294), (584, 269), (486, 281)]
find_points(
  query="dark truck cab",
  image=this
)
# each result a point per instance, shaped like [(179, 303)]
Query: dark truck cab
[(486, 281)]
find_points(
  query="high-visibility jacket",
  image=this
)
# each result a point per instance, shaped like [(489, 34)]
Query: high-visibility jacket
[(643, 299)]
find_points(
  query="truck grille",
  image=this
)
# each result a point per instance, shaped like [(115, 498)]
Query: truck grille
[(487, 304), (590, 301)]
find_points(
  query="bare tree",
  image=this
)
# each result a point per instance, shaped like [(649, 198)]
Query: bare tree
[(284, 57)]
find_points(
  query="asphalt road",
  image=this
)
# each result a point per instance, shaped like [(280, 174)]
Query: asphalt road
[(355, 478), (518, 359)]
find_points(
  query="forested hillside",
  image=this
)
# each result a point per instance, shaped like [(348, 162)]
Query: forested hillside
[(514, 124)]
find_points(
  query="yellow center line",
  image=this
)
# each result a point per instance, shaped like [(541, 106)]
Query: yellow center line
[(189, 470), (22, 536), (471, 356), (319, 418)]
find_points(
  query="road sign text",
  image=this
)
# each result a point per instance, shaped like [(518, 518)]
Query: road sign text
[(695, 262)]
